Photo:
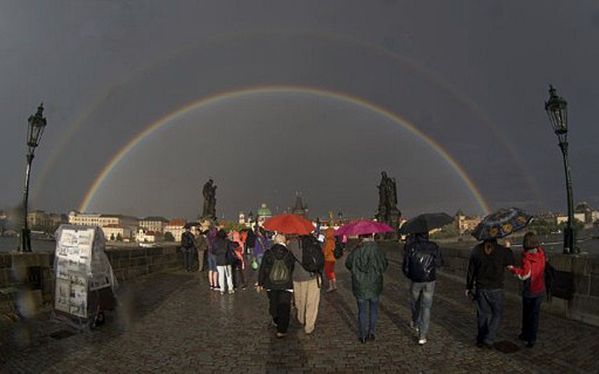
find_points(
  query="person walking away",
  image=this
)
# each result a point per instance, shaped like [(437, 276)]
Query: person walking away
[(222, 251), (212, 268), (306, 279), (421, 259), (276, 276), (329, 258), (261, 245), (202, 250), (250, 243), (188, 247), (367, 263), (239, 264), (532, 272), (484, 284)]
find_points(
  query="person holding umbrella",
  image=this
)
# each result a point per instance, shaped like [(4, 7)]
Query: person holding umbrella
[(486, 267), (367, 263), (421, 259)]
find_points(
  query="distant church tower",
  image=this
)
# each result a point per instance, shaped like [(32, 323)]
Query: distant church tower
[(300, 208)]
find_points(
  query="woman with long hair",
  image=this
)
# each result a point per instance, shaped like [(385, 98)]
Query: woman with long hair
[(532, 272)]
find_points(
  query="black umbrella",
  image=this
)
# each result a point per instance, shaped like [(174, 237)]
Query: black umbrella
[(425, 223), (501, 224)]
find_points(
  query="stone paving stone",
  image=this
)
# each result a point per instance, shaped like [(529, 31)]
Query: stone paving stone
[(172, 322)]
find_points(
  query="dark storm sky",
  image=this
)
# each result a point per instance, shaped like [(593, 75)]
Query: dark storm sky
[(471, 75)]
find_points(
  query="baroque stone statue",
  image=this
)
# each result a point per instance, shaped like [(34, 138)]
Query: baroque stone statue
[(209, 192), (387, 209)]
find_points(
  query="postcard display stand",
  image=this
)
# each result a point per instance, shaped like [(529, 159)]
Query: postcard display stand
[(84, 278)]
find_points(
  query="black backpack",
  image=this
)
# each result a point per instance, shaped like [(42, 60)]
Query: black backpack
[(338, 251), (312, 256), (549, 275), (279, 272)]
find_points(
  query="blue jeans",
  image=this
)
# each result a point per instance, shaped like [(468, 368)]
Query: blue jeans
[(531, 308), (367, 326), (421, 303), (489, 310)]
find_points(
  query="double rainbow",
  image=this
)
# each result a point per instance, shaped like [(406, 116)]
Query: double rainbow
[(209, 100)]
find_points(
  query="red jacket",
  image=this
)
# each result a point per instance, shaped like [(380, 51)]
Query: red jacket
[(532, 272)]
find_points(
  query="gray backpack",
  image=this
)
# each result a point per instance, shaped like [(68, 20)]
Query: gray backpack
[(279, 273)]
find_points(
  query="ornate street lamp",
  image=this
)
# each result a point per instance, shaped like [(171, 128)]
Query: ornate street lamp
[(557, 110), (37, 123)]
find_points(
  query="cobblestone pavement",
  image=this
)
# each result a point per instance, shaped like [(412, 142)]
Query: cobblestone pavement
[(173, 323)]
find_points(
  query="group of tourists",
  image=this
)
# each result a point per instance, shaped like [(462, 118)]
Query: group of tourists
[(484, 284), (290, 268)]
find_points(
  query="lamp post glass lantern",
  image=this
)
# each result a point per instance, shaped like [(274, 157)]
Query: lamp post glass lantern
[(557, 110), (35, 129)]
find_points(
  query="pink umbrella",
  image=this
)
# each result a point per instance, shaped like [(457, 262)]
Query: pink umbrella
[(363, 227)]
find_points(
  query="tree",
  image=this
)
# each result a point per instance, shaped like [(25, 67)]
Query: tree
[(112, 237), (168, 237), (119, 237)]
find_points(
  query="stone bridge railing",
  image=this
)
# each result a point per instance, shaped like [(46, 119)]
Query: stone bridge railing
[(578, 275), (27, 279)]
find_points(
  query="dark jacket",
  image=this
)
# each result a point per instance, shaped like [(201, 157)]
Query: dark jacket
[(276, 251), (486, 271), (201, 243), (421, 259), (187, 240), (367, 264), (220, 249), (250, 242)]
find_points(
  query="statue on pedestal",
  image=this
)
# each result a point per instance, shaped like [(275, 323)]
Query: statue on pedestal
[(209, 192), (387, 209)]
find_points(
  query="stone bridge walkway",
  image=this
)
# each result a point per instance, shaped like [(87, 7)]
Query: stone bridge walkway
[(172, 322)]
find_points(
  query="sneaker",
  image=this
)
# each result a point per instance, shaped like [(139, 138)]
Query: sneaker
[(370, 337), (414, 326), (273, 323), (362, 340), (530, 344), (422, 341), (280, 335), (231, 291)]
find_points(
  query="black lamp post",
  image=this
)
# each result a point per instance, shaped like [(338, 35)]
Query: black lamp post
[(37, 123), (557, 110)]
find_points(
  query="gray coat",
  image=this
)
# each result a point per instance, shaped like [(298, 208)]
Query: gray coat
[(300, 274)]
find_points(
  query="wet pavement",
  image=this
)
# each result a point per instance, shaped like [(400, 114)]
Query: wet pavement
[(172, 322)]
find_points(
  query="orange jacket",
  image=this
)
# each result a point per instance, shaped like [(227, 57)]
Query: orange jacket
[(329, 245)]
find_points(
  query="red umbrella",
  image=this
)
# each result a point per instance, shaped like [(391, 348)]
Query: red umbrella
[(289, 224), (363, 227)]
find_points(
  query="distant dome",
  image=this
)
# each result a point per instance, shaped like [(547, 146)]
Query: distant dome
[(264, 211)]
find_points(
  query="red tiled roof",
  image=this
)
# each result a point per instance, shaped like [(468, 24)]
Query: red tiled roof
[(177, 222)]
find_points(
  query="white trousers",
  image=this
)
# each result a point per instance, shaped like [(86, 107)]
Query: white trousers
[(225, 272)]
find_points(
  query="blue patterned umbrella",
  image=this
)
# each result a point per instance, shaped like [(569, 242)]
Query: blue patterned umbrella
[(501, 224)]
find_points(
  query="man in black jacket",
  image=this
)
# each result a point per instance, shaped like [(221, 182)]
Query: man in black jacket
[(188, 247), (421, 259), (276, 276), (484, 284)]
